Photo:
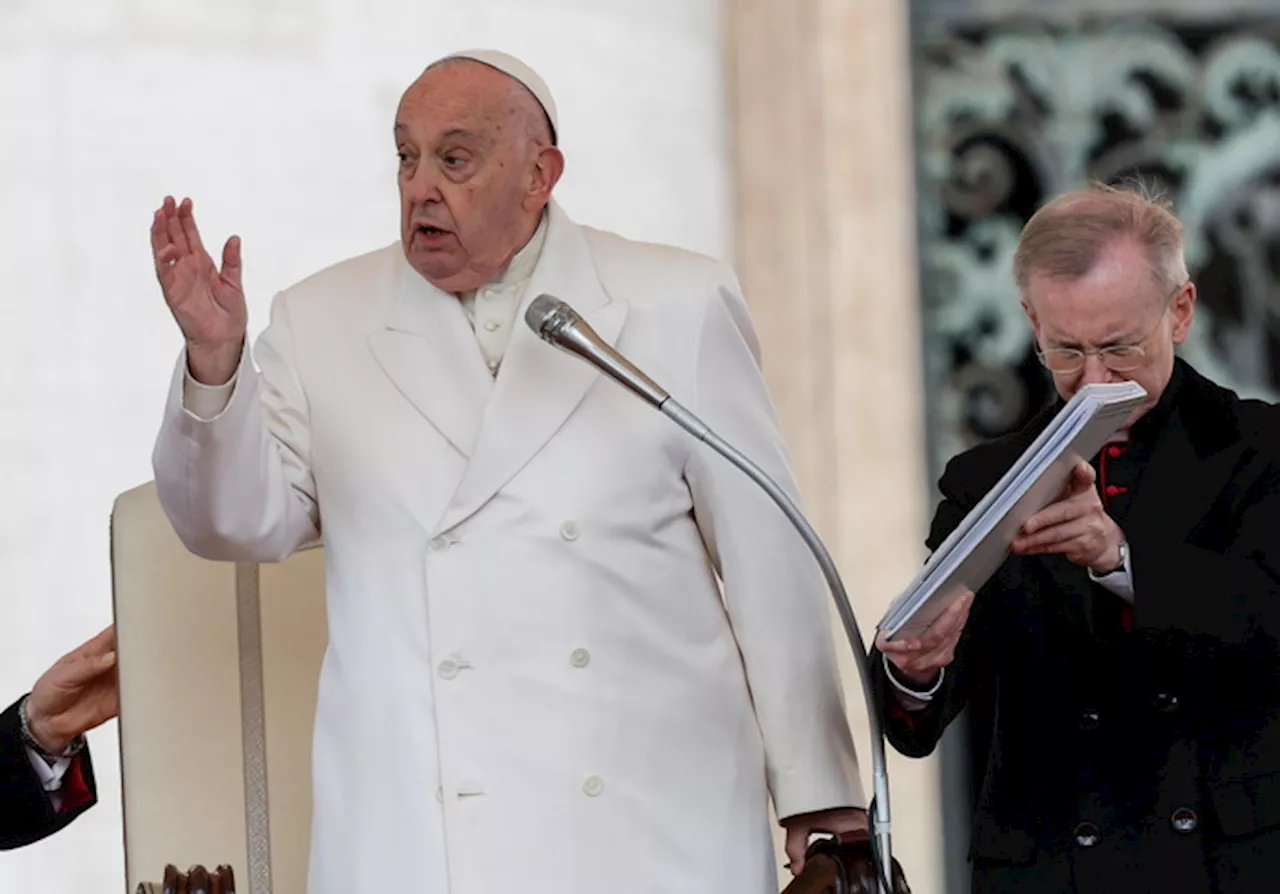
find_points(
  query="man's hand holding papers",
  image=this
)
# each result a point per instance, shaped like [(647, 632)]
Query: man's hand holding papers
[(1076, 526), (1046, 483), (918, 661)]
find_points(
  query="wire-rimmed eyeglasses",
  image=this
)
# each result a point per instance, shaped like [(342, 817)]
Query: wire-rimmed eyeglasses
[(1117, 358)]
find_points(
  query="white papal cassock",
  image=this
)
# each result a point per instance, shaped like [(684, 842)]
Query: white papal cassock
[(534, 680)]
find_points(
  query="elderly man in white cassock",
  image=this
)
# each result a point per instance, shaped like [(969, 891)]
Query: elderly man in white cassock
[(570, 649)]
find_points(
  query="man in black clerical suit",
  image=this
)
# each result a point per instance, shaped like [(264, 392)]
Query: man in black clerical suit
[(46, 777), (1124, 661)]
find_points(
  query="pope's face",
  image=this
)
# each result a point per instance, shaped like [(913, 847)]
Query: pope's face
[(472, 173)]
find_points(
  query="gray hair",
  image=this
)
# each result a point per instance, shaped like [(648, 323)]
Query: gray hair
[(1067, 236)]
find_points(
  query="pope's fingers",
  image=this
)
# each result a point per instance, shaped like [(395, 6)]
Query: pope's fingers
[(187, 220), (166, 261), (174, 227), (163, 252), (797, 844), (159, 231), (231, 264)]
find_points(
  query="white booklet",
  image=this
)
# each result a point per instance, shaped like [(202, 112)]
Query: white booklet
[(977, 547)]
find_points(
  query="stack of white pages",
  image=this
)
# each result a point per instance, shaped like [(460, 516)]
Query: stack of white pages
[(975, 549)]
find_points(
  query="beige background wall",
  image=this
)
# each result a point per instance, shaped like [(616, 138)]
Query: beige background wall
[(821, 139)]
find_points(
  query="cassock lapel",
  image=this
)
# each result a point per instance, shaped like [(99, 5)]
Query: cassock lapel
[(1195, 443), (427, 348), (1190, 461), (538, 386)]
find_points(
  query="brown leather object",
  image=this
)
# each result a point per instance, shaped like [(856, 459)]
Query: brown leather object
[(224, 881), (843, 866), (196, 880)]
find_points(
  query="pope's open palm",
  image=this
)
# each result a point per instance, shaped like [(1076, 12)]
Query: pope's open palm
[(207, 302)]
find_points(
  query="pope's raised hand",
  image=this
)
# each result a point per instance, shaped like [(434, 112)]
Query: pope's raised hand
[(207, 301)]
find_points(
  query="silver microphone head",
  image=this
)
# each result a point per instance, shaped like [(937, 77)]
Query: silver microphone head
[(549, 317), (559, 324)]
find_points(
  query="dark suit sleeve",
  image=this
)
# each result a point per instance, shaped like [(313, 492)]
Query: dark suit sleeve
[(26, 810), (1221, 599), (916, 733)]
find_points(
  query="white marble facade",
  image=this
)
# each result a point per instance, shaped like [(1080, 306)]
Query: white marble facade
[(275, 116)]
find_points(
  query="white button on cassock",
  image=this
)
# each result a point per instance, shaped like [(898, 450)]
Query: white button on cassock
[(580, 658), (448, 669), (593, 786), (569, 530)]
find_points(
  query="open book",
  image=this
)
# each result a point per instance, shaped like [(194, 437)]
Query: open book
[(977, 547)]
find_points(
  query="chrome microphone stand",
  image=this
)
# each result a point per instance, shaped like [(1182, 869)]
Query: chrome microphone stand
[(879, 808), (557, 323)]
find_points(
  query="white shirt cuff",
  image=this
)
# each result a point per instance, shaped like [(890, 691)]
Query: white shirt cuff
[(1119, 581), (912, 699), (50, 775), (206, 402)]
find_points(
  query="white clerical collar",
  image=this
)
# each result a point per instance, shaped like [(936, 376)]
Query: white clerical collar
[(491, 310)]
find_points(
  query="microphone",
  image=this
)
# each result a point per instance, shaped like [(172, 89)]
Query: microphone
[(559, 324)]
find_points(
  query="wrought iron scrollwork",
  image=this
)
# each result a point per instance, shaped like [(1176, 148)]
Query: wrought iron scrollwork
[(1014, 112)]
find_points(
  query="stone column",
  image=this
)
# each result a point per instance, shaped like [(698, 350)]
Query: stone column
[(820, 96)]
